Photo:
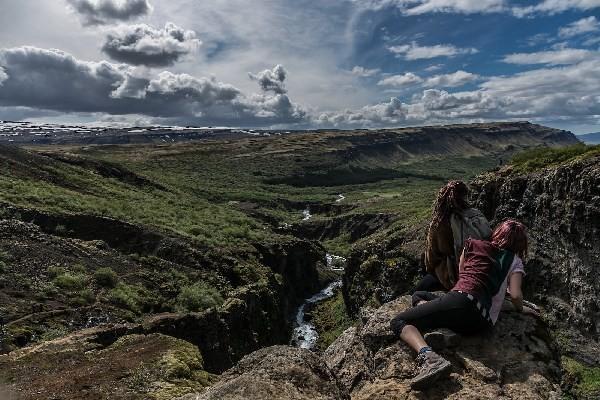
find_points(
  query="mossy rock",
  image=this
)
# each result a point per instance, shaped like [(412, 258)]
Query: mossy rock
[(582, 381)]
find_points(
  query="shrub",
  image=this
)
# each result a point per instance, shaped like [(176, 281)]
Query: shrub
[(60, 230), (198, 297), (131, 297), (106, 277), (71, 282), (53, 272), (83, 298), (3, 261)]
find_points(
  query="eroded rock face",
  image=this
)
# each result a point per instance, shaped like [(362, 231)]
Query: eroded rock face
[(514, 361), (93, 364), (279, 372), (561, 207)]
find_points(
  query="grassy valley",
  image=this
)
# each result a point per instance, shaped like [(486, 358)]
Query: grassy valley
[(233, 230)]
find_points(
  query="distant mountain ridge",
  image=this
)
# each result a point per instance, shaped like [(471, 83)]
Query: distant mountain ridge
[(590, 138), (474, 139)]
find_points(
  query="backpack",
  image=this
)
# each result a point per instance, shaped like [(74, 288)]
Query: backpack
[(470, 223)]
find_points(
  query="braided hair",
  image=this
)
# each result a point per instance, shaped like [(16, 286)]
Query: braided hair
[(450, 198)]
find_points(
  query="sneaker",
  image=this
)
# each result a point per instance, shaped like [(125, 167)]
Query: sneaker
[(431, 367), (441, 339)]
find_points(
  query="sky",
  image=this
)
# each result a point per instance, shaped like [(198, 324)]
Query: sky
[(297, 64)]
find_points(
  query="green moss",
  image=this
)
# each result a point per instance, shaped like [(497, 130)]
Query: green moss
[(330, 319), (539, 158), (175, 373), (582, 381)]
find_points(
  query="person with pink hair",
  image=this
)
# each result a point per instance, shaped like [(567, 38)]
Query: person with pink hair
[(486, 270)]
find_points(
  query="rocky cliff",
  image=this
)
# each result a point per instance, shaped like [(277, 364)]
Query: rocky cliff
[(561, 207), (515, 361)]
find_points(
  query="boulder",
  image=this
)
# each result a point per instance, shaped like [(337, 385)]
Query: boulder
[(278, 372), (516, 359)]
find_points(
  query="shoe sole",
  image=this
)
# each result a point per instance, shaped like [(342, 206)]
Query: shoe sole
[(439, 341), (432, 377)]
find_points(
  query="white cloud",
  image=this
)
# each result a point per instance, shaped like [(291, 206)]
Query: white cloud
[(3, 75), (144, 45), (455, 79), (434, 67), (383, 114), (415, 52), (102, 87), (406, 79), (584, 25), (553, 57), (271, 79), (100, 12), (417, 7), (363, 72), (567, 93), (552, 7)]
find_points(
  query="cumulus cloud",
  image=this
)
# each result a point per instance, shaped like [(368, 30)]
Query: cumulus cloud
[(363, 72), (55, 80), (582, 26), (455, 79), (144, 45), (3, 75), (383, 114), (271, 79), (415, 52), (417, 7), (552, 93), (100, 12), (552, 7), (553, 57), (407, 79)]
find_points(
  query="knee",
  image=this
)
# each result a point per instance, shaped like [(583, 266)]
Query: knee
[(397, 325), (416, 298)]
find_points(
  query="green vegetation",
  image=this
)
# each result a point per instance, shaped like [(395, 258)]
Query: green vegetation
[(539, 158), (132, 297), (106, 277), (69, 281), (4, 258), (582, 381), (198, 297), (330, 319)]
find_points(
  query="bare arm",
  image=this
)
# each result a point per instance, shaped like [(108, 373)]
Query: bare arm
[(516, 294)]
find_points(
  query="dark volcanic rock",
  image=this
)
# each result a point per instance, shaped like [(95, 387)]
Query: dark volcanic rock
[(561, 207), (515, 360), (279, 372)]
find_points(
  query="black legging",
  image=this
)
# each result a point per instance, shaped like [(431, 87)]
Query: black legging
[(453, 310), (430, 283)]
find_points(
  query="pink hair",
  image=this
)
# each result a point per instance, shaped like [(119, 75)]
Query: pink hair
[(511, 235)]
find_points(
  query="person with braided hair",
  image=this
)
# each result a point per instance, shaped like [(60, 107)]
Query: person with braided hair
[(488, 270), (453, 222)]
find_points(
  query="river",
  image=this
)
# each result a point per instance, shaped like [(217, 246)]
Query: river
[(305, 334)]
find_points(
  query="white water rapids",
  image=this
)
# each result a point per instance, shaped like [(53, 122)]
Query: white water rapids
[(305, 334)]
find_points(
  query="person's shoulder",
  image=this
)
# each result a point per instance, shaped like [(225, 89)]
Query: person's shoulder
[(518, 262), (472, 212)]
